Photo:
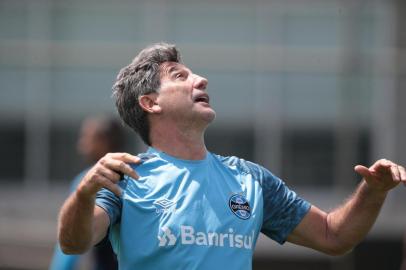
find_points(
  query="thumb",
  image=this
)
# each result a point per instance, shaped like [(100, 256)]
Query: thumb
[(363, 171)]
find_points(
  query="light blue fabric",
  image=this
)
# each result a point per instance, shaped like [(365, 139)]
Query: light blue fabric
[(61, 261), (204, 214)]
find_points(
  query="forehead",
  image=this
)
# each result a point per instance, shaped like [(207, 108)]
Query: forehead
[(169, 67)]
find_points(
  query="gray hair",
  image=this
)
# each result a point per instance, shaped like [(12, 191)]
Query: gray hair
[(141, 77)]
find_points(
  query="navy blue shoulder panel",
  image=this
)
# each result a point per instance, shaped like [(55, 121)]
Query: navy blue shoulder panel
[(146, 156), (244, 166)]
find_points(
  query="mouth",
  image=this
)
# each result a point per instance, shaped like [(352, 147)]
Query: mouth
[(202, 98)]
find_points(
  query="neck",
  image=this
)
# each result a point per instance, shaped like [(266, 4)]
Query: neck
[(179, 143)]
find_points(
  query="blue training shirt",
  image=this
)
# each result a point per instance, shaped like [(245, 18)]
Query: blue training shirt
[(203, 214)]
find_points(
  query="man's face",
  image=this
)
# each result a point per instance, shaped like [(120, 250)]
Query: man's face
[(183, 95)]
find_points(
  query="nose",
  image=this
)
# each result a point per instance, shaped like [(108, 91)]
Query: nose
[(200, 82)]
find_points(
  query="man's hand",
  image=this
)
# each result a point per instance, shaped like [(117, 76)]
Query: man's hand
[(106, 173), (338, 232), (81, 223), (383, 175)]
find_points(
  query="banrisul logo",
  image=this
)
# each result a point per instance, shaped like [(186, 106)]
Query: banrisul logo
[(189, 236), (167, 238), (240, 206)]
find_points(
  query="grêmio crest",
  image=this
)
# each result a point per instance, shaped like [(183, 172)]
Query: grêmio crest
[(240, 206)]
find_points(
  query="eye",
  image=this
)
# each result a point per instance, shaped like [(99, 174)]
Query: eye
[(180, 75)]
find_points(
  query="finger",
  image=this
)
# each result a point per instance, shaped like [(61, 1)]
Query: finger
[(113, 176), (402, 174), (382, 165), (363, 171), (121, 167), (395, 173), (127, 158), (106, 183)]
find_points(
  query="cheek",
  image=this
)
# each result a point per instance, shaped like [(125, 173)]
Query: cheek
[(177, 97)]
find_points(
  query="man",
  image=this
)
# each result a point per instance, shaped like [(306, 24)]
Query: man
[(98, 136), (179, 206)]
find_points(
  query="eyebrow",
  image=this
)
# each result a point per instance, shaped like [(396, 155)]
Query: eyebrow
[(175, 67), (172, 68), (178, 67), (166, 71)]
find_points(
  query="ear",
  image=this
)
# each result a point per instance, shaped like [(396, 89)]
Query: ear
[(149, 103)]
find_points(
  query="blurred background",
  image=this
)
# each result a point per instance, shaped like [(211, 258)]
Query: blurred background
[(307, 88)]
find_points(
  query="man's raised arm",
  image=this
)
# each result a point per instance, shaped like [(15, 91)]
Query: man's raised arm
[(82, 224), (339, 231)]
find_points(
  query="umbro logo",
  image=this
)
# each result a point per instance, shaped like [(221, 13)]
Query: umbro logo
[(163, 205), (167, 239)]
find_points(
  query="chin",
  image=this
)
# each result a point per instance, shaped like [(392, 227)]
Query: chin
[(210, 116)]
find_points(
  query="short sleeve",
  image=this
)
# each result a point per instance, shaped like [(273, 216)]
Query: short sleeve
[(283, 208), (110, 203)]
